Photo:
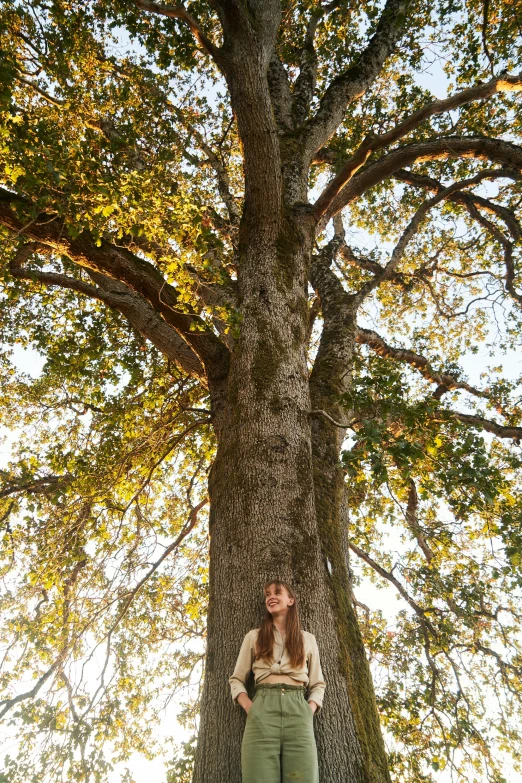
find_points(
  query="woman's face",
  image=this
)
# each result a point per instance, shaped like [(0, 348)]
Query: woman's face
[(277, 599)]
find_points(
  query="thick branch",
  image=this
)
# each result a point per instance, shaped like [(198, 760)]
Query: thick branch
[(355, 81), (305, 83), (363, 262), (280, 92), (373, 143), (348, 254), (139, 313), (337, 303), (331, 373), (425, 181), (480, 147), (120, 264)]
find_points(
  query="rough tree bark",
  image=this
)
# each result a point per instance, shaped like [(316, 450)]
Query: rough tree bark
[(276, 490)]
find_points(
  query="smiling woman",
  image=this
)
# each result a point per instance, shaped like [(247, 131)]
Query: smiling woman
[(279, 742)]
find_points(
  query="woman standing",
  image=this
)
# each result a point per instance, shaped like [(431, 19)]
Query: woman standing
[(278, 742)]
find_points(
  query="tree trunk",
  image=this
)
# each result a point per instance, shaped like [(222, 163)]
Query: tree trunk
[(263, 520), (330, 378)]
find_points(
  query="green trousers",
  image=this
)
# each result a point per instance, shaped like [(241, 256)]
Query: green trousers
[(279, 743)]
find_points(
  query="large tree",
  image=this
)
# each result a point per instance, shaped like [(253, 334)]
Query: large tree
[(251, 243)]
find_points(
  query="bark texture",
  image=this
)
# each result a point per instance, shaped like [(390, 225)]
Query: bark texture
[(266, 486), (267, 482), (329, 379)]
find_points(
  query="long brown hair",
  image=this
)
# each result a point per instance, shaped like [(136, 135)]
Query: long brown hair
[(294, 638)]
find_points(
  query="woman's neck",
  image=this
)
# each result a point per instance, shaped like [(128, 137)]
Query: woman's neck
[(280, 624)]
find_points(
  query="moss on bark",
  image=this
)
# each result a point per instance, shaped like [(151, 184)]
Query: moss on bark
[(353, 663)]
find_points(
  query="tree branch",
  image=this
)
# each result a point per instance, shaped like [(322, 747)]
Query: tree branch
[(9, 703), (330, 374), (480, 147), (139, 313), (180, 12), (106, 125), (58, 663), (413, 522), (223, 183), (485, 14), (305, 83), (505, 214), (280, 93), (339, 306), (45, 95), (120, 264), (508, 432), (187, 528), (355, 81), (509, 277), (325, 415), (220, 295), (36, 486), (472, 202), (372, 144), (382, 348), (411, 229), (395, 582), (313, 312), (348, 254)]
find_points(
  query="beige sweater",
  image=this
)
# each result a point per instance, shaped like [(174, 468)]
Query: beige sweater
[(309, 674)]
